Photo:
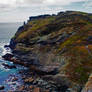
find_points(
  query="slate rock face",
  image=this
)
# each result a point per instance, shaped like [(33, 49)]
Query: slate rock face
[(64, 38)]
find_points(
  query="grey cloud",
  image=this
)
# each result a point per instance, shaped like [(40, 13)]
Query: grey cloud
[(22, 9), (34, 1), (5, 7), (88, 4)]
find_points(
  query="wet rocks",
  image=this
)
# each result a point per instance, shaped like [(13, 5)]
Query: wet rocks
[(21, 88), (6, 46), (14, 79), (29, 80), (1, 87), (41, 70), (7, 56), (9, 66), (37, 89), (59, 82), (12, 43), (33, 81)]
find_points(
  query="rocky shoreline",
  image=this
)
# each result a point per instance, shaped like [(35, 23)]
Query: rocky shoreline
[(37, 78), (56, 49)]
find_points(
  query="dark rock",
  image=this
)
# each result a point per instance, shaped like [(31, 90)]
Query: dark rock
[(54, 37), (42, 43), (1, 87), (14, 79), (9, 66), (12, 43), (7, 56), (89, 39), (35, 82), (44, 70), (6, 46), (20, 89), (60, 81), (49, 70)]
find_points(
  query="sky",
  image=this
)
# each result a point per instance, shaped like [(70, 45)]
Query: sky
[(21, 10)]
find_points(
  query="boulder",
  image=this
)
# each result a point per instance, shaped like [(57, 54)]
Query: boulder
[(60, 81), (20, 89), (1, 87), (29, 80), (6, 46), (9, 66), (8, 56), (14, 79), (36, 89), (31, 87)]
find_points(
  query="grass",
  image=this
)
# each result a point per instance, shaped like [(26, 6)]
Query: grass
[(36, 26), (79, 64)]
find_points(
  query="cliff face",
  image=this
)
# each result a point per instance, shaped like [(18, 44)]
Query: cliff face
[(63, 40)]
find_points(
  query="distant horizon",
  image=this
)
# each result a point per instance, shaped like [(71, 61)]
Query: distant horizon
[(9, 22)]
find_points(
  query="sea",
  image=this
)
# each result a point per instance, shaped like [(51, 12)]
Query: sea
[(7, 31)]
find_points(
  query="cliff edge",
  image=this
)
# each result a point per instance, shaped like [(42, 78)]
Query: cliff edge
[(62, 42)]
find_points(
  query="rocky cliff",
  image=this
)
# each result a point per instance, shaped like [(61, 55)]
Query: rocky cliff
[(61, 42)]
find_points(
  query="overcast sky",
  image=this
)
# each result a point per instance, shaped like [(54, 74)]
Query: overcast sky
[(20, 10)]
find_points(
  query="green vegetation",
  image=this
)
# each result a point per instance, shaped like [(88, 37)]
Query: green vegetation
[(36, 26), (63, 35), (83, 76)]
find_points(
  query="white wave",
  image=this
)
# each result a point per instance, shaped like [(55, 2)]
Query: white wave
[(4, 50), (3, 68)]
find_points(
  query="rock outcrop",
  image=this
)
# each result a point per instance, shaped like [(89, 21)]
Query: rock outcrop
[(62, 40), (9, 66), (88, 86), (1, 87)]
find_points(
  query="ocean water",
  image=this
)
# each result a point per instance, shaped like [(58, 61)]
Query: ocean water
[(7, 30)]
